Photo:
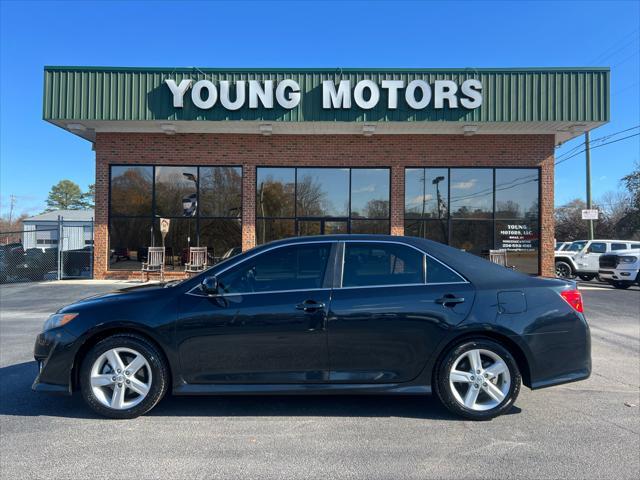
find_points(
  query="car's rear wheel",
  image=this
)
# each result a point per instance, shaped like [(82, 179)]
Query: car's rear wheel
[(563, 270), (478, 379), (123, 376)]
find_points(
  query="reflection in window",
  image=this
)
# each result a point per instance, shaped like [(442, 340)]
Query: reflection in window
[(436, 230), (438, 273), (298, 267), (268, 230), (464, 215), (322, 192), (517, 193), (426, 193), (220, 235), (176, 192), (202, 203), (473, 236), (471, 192), (319, 203), (370, 192), (220, 192), (276, 192), (131, 190), (128, 242), (371, 264)]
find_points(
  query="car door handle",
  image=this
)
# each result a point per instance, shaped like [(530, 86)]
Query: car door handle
[(449, 300), (310, 306)]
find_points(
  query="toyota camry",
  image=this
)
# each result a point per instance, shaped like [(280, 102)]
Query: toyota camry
[(347, 314)]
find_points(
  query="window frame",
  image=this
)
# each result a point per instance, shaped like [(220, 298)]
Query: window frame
[(151, 215), (328, 273), (349, 218), (492, 218), (424, 254)]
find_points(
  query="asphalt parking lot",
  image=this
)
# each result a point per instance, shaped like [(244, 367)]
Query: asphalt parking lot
[(589, 429)]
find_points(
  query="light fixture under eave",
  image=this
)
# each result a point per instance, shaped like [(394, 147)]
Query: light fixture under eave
[(266, 129), (76, 127), (368, 130), (468, 130), (168, 128)]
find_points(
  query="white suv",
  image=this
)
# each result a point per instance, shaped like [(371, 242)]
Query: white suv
[(581, 257), (621, 269)]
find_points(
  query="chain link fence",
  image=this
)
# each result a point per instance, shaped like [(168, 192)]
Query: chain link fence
[(52, 251)]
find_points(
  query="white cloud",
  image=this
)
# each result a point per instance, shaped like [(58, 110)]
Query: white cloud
[(464, 185), (366, 189), (417, 200)]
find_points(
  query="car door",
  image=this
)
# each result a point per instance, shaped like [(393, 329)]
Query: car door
[(267, 324), (385, 319), (590, 258)]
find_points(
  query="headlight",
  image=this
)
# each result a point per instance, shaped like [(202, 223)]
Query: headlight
[(628, 259), (58, 320)]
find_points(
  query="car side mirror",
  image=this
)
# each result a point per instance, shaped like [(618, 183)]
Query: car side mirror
[(209, 285)]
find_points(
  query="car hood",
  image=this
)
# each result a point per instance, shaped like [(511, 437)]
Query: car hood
[(134, 293)]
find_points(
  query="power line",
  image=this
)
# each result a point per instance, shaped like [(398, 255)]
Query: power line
[(599, 139), (598, 146)]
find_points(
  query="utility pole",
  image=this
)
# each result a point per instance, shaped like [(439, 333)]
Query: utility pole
[(588, 168), (12, 203)]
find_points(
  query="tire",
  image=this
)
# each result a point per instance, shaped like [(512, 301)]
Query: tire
[(621, 285), (150, 375), (564, 270), (453, 394), (586, 277)]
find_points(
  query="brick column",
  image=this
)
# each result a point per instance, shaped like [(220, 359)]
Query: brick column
[(547, 220), (101, 218), (397, 200), (248, 206)]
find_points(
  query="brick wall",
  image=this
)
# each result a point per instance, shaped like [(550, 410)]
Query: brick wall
[(249, 151)]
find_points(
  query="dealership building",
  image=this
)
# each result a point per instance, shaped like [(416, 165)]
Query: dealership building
[(235, 158)]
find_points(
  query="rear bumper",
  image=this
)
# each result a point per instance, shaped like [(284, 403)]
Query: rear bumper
[(54, 351), (562, 357)]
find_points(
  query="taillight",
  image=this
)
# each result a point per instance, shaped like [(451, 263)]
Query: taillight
[(573, 298)]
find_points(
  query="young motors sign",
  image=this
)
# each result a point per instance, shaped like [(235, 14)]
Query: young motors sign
[(344, 95)]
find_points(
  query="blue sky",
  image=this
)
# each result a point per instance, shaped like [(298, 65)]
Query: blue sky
[(34, 155)]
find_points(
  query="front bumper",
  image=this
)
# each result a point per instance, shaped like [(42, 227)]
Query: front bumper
[(618, 275), (54, 351)]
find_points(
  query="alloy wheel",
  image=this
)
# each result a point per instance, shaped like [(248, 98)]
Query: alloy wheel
[(479, 380), (563, 270), (120, 378)]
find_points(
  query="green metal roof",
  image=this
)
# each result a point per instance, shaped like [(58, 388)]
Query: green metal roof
[(509, 95)]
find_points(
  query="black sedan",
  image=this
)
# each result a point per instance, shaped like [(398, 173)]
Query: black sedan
[(349, 314)]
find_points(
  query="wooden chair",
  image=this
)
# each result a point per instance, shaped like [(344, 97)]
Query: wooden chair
[(498, 256), (197, 260), (154, 263)]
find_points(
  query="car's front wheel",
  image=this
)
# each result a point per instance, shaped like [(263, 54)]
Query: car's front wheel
[(478, 379), (621, 285), (123, 376), (563, 270)]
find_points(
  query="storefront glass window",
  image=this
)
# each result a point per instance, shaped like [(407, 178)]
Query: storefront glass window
[(276, 192), (131, 190), (471, 223), (369, 193), (220, 191), (322, 192), (321, 201), (471, 192), (203, 204)]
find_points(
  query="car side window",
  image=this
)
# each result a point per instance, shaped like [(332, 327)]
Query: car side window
[(295, 267), (372, 264), (618, 246), (635, 245), (597, 247), (438, 273)]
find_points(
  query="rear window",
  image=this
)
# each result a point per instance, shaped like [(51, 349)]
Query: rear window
[(438, 273), (598, 247), (372, 264)]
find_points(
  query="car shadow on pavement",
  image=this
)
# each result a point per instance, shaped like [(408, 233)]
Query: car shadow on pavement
[(17, 399)]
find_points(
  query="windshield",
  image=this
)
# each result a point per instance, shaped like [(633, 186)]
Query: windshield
[(576, 246)]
